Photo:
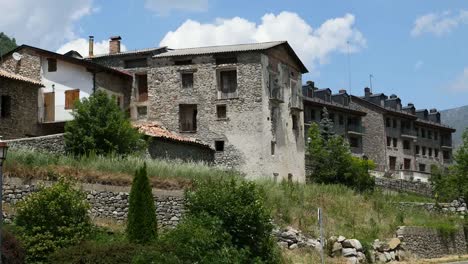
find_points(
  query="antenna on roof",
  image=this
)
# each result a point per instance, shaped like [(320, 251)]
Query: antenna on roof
[(17, 56), (370, 81)]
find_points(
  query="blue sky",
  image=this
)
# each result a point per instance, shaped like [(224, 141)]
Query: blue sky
[(426, 64)]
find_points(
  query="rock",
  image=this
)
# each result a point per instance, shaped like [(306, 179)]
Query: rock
[(341, 239), (283, 244), (174, 218), (349, 252), (352, 243), (361, 257), (312, 242), (381, 257), (461, 209), (352, 260), (337, 247), (393, 243), (388, 257), (392, 255), (293, 246)]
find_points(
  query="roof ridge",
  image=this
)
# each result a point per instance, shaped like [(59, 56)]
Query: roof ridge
[(125, 52), (226, 45), (11, 75)]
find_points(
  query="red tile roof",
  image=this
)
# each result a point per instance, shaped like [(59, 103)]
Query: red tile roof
[(14, 76), (154, 129)]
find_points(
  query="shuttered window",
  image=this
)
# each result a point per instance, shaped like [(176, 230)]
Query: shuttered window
[(70, 97)]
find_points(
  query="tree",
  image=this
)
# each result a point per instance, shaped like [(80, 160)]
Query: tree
[(461, 166), (101, 127), (141, 222), (52, 218), (326, 125), (6, 44)]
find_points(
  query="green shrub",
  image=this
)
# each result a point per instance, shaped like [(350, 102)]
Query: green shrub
[(240, 207), (101, 127), (52, 218), (12, 250), (142, 222)]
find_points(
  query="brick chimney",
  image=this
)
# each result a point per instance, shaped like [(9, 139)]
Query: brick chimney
[(342, 91), (367, 92), (114, 44), (91, 46)]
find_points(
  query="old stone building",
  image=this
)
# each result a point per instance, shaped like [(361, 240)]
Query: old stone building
[(346, 118), (243, 100), (402, 141), (137, 64), (65, 79), (18, 105)]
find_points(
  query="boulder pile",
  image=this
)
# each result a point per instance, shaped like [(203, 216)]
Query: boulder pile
[(351, 249), (391, 250), (291, 238)]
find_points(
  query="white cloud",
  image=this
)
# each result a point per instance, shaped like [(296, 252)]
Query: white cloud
[(82, 46), (439, 23), (312, 45), (461, 82), (45, 23), (418, 65), (164, 7)]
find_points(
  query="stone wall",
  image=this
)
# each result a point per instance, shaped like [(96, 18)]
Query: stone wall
[(160, 148), (421, 188), (431, 243), (51, 143), (29, 65), (455, 207), (107, 202)]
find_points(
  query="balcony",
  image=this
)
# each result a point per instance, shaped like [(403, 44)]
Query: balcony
[(408, 133), (355, 129)]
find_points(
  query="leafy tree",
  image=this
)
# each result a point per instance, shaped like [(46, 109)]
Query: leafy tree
[(240, 207), (6, 44), (461, 166), (101, 127), (52, 218), (142, 222)]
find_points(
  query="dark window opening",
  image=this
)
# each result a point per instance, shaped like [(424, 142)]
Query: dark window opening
[(424, 151), (354, 142), (142, 85), (387, 122), (395, 142), (295, 123), (187, 80), (406, 144), (423, 133), (228, 84), (392, 161), (407, 164), (182, 62), (5, 106), (389, 141), (226, 60), (273, 146), (436, 135), (417, 149), (312, 114), (142, 111), (429, 134), (446, 155), (219, 145), (221, 111), (422, 167), (395, 123), (188, 117), (341, 120), (436, 153), (136, 63), (51, 65), (429, 152)]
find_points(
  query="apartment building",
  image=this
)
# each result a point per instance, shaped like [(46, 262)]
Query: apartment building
[(346, 118)]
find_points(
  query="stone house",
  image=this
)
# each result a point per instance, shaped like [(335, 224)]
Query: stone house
[(243, 100), (346, 118), (402, 141), (136, 63), (65, 78), (18, 105)]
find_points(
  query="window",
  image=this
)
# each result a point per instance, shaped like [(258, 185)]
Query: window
[(71, 96), (417, 150), (395, 142), (417, 131), (5, 106), (407, 164), (51, 65), (221, 111), (395, 123), (341, 120), (429, 150), (182, 62), (187, 80), (142, 111), (354, 142), (436, 153), (276, 92), (227, 84), (422, 167), (142, 85), (389, 141), (446, 155), (312, 114), (219, 145), (424, 151), (392, 163), (406, 144), (436, 135), (188, 117), (226, 60), (429, 134), (387, 122), (295, 123), (136, 63), (423, 133), (273, 146)]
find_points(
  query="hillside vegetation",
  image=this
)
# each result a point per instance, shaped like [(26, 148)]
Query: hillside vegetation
[(458, 119)]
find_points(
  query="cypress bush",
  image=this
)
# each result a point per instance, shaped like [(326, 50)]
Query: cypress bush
[(141, 222)]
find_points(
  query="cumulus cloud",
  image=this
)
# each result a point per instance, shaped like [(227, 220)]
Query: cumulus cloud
[(45, 23), (82, 46), (461, 82), (439, 23), (314, 46), (164, 7)]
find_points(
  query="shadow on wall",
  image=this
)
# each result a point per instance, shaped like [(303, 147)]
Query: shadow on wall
[(159, 148)]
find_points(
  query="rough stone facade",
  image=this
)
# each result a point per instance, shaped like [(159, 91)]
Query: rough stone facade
[(23, 106), (29, 65), (418, 187), (430, 243), (262, 137), (50, 143), (107, 202), (160, 148)]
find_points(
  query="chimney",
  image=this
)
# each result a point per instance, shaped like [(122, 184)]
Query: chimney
[(433, 110), (367, 92), (311, 84), (342, 91), (91, 46), (410, 104), (393, 96), (114, 44)]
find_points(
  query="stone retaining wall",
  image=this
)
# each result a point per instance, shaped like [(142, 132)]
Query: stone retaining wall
[(107, 202), (455, 207), (405, 186), (51, 143), (430, 243)]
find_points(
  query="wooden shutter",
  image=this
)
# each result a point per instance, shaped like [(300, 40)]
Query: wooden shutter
[(70, 97)]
